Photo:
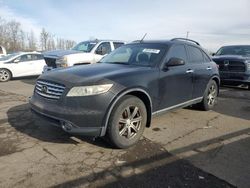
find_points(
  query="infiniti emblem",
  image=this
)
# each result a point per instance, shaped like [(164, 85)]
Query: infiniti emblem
[(226, 62), (44, 89)]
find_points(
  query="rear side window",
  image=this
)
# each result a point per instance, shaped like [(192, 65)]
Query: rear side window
[(37, 57), (178, 51), (118, 44), (195, 55)]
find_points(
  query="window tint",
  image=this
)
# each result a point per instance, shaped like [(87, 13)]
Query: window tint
[(195, 55), (37, 57), (27, 57), (136, 54), (104, 47), (178, 51), (117, 44)]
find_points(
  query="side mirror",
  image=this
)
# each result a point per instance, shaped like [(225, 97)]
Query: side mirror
[(16, 60), (175, 62), (213, 54)]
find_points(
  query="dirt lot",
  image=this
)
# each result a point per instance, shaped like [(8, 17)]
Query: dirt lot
[(183, 148)]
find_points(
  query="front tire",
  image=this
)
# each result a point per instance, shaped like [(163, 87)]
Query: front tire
[(210, 96), (127, 122), (5, 75)]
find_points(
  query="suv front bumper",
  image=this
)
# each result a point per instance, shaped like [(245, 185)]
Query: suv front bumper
[(235, 77), (76, 115)]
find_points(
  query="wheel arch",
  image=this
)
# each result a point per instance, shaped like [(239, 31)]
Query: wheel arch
[(217, 80), (137, 92)]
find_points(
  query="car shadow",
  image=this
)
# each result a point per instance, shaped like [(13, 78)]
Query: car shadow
[(21, 118), (232, 101), (159, 168), (27, 80)]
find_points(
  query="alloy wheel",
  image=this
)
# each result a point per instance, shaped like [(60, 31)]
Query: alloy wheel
[(4, 75), (212, 94), (130, 122)]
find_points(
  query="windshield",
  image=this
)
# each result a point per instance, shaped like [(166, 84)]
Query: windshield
[(234, 50), (9, 56), (136, 54), (86, 46)]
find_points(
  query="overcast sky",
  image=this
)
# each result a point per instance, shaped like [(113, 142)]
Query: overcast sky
[(213, 23)]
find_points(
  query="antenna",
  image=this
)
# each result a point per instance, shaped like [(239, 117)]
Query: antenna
[(143, 37)]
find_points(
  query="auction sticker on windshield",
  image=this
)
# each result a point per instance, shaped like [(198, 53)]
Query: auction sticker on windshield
[(154, 51)]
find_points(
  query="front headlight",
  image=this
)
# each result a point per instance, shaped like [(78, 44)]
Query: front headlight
[(89, 90), (62, 62)]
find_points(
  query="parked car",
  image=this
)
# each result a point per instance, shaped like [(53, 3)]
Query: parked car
[(86, 52), (21, 64), (234, 64), (2, 51), (118, 96)]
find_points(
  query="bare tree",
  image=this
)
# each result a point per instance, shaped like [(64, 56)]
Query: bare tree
[(44, 36), (69, 44), (31, 41), (13, 38)]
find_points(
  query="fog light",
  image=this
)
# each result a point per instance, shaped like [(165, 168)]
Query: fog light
[(66, 126)]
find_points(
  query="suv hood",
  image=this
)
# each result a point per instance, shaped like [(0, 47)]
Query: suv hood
[(60, 53), (93, 73), (231, 57)]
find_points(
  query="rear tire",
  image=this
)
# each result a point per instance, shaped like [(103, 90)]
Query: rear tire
[(210, 96), (5, 75), (127, 122)]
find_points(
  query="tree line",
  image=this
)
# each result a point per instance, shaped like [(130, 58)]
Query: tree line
[(14, 39)]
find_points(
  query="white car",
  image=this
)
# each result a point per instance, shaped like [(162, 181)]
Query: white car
[(21, 64), (86, 52)]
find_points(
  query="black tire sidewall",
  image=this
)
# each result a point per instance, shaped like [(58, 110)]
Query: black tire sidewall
[(113, 129)]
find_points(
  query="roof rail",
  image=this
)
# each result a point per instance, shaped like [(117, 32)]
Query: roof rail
[(189, 40)]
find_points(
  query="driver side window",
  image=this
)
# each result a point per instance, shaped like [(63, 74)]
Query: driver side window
[(103, 49), (178, 51), (24, 58)]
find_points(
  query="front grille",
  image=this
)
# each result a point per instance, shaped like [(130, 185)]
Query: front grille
[(49, 90), (231, 66), (237, 66), (51, 62)]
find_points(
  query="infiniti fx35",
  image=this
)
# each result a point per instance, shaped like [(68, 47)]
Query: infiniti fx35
[(117, 97)]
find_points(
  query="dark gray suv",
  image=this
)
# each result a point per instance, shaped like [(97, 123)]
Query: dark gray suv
[(118, 96), (234, 64)]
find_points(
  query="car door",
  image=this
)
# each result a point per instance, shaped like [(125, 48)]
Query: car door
[(103, 49), (22, 65), (201, 64), (175, 84), (38, 63)]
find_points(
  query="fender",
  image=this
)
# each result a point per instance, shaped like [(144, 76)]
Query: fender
[(116, 99), (217, 77)]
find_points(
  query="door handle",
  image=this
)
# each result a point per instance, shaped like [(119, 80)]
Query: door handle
[(189, 71), (209, 68)]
